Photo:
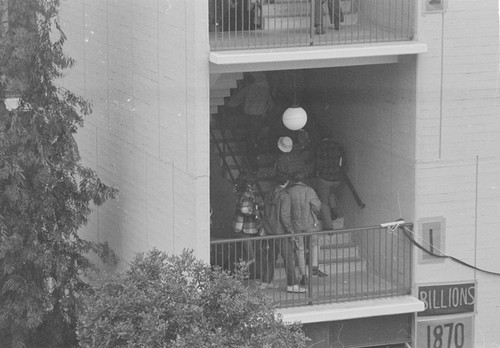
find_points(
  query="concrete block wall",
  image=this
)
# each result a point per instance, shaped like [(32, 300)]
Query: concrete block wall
[(458, 148), (144, 67)]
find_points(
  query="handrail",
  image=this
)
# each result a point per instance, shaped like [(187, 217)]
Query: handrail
[(307, 234), (290, 23), (239, 166), (223, 158), (358, 264)]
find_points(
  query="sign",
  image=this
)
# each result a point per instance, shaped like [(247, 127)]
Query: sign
[(447, 299), (451, 332)]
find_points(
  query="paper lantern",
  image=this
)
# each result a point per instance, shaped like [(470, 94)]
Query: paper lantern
[(294, 118)]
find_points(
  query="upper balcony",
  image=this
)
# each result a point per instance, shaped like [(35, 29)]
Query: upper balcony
[(271, 24)]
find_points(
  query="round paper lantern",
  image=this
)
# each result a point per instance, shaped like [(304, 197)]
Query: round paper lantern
[(294, 118)]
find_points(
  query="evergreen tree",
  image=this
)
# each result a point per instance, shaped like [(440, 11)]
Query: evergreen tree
[(46, 194)]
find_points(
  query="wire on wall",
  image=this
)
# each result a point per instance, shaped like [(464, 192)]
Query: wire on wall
[(410, 235)]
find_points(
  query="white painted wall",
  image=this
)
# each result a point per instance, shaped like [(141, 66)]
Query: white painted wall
[(458, 148), (144, 66), (371, 110)]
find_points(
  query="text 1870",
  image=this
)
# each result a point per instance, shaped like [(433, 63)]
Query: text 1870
[(448, 335), (446, 332)]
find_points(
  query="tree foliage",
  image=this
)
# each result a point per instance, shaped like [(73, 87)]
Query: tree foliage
[(46, 195), (178, 301)]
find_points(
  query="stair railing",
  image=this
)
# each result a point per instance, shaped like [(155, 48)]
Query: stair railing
[(241, 167), (222, 156)]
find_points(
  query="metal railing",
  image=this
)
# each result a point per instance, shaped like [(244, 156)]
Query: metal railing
[(361, 263), (253, 24), (225, 149)]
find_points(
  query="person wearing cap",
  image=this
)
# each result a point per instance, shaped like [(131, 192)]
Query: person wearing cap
[(289, 158)]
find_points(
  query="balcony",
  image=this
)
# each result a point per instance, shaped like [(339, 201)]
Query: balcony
[(265, 24), (361, 264)]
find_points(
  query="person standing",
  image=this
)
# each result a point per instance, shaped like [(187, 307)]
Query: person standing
[(305, 206), (328, 166), (335, 12), (280, 220)]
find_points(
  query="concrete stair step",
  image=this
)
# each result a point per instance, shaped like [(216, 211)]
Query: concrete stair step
[(293, 8), (286, 9), (288, 23), (338, 254), (225, 81), (216, 100), (335, 239), (219, 92), (284, 23), (348, 266), (284, 1), (329, 268)]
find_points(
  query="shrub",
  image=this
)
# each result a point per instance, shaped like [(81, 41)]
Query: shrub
[(178, 301)]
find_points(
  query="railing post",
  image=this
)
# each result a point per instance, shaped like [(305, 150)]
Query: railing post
[(311, 24)]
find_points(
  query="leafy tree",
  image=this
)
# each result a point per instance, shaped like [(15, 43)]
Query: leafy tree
[(46, 195), (178, 301)]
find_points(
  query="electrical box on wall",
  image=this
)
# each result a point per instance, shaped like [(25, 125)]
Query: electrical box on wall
[(432, 238), (434, 6)]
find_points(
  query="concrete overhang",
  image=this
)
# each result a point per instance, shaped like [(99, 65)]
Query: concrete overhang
[(352, 310), (312, 57)]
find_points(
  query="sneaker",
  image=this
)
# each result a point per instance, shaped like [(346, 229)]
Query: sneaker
[(264, 286), (317, 272), (295, 288)]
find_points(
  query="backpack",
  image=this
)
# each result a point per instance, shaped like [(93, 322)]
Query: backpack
[(329, 160)]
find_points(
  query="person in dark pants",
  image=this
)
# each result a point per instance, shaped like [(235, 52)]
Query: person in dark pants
[(280, 221), (334, 10), (305, 206), (328, 166)]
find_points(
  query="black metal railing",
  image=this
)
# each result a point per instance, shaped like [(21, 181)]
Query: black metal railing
[(253, 24), (360, 263), (240, 163)]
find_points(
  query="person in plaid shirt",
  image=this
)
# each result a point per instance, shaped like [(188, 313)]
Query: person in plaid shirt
[(328, 167)]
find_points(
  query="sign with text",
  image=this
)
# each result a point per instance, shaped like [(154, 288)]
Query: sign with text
[(451, 332), (447, 299)]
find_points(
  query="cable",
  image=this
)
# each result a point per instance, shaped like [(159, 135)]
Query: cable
[(409, 234)]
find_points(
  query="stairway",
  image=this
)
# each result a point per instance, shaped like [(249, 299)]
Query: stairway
[(338, 253), (233, 146), (231, 139), (220, 88), (286, 14)]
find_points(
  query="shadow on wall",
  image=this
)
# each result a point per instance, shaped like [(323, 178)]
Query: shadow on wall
[(222, 200)]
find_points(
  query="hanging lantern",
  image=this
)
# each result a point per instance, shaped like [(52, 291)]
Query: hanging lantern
[(294, 118)]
